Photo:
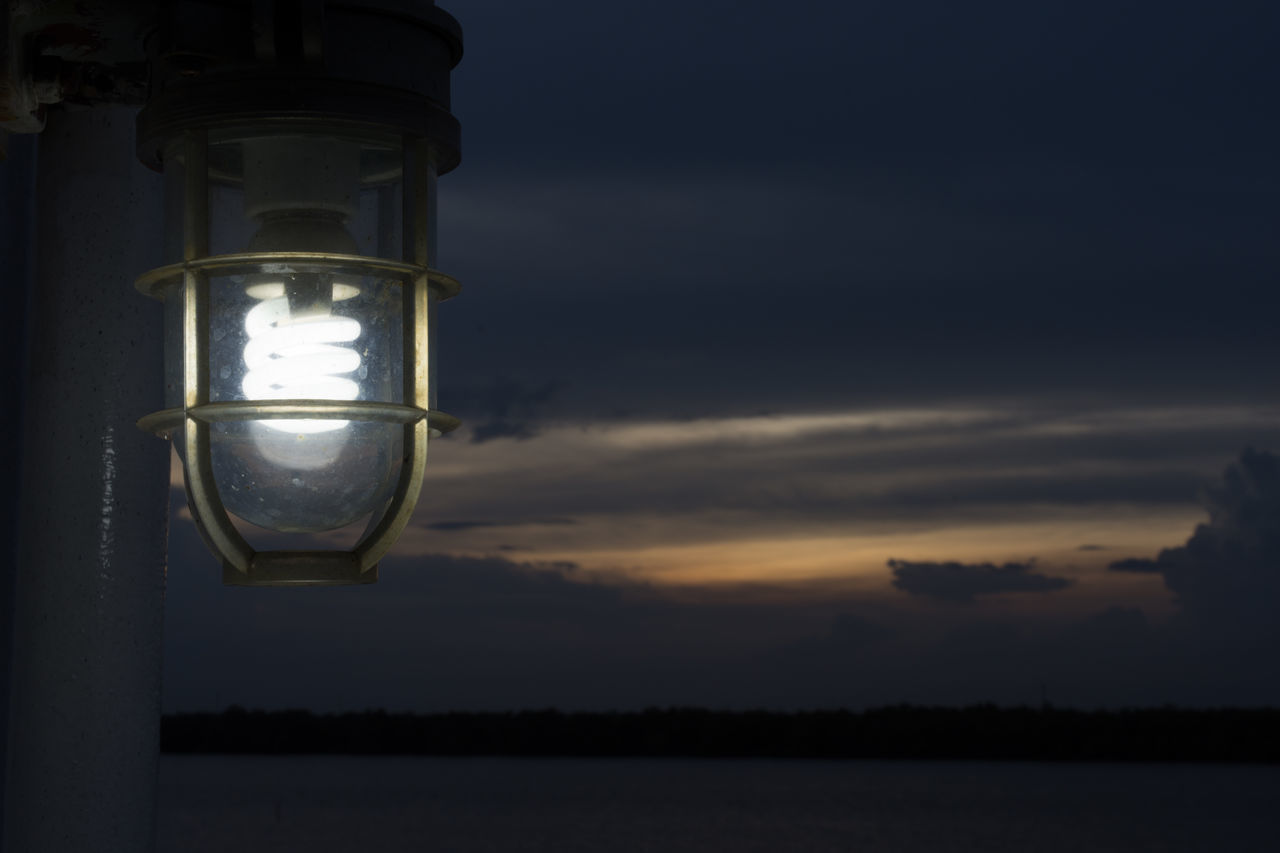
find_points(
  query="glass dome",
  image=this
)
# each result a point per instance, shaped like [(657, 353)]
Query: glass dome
[(270, 343), (288, 333)]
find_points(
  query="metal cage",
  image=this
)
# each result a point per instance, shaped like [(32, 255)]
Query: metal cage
[(421, 289), (199, 91)]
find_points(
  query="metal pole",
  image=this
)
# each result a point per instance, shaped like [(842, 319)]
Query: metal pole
[(17, 209), (85, 706)]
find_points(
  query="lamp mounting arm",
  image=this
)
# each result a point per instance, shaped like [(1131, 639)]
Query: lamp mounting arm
[(70, 51)]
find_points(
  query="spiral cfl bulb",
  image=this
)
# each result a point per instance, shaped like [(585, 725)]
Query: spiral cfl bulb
[(299, 358), (301, 192)]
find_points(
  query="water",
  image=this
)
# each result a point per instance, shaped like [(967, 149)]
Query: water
[(248, 804)]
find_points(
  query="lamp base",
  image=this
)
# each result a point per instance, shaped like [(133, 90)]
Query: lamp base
[(300, 568)]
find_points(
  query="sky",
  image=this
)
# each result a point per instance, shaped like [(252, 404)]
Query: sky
[(825, 354)]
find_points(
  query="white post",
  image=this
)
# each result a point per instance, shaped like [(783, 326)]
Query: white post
[(17, 208), (88, 598)]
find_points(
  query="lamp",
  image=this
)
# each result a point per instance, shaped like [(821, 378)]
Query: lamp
[(300, 144)]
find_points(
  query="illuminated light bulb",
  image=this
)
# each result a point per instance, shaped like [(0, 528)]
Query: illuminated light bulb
[(301, 194), (294, 358), (298, 349)]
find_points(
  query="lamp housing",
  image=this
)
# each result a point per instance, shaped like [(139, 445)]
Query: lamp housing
[(301, 144)]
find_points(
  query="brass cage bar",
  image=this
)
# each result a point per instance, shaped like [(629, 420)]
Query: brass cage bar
[(166, 421), (415, 316), (153, 282), (202, 493)]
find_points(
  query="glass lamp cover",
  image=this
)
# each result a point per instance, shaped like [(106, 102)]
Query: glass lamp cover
[(289, 334)]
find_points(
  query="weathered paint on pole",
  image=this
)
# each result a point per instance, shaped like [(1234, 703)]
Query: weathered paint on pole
[(88, 599)]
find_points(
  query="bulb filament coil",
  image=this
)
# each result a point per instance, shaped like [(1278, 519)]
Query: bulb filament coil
[(299, 358)]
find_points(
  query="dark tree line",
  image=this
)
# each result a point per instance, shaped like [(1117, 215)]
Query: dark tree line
[(978, 732)]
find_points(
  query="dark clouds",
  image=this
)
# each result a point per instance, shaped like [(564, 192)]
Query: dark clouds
[(474, 524), (441, 631), (842, 204), (1227, 575), (848, 470), (962, 582), (1137, 565), (997, 75), (857, 631), (503, 408)]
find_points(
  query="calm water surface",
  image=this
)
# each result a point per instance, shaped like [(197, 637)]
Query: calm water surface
[(248, 804)]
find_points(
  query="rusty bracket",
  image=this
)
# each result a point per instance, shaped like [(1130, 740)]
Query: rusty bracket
[(70, 51)]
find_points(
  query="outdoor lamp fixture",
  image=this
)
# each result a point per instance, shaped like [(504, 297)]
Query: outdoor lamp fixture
[(300, 142)]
